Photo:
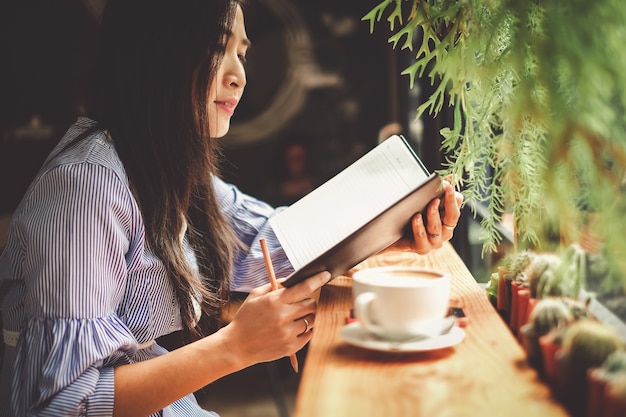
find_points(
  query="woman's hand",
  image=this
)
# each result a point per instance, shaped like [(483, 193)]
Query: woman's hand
[(270, 324), (440, 221)]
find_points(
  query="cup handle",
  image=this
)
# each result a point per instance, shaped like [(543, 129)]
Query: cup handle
[(362, 310)]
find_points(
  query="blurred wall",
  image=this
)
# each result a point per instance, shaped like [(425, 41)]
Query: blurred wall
[(316, 75)]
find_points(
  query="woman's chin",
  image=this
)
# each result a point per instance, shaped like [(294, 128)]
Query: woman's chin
[(220, 132)]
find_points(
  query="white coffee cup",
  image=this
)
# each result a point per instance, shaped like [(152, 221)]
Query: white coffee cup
[(401, 302)]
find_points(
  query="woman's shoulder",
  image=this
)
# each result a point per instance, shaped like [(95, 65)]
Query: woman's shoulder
[(84, 163), (85, 143)]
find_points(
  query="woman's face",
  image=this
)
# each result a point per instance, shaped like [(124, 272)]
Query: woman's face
[(227, 87)]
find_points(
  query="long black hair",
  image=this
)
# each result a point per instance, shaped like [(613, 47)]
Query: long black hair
[(155, 63)]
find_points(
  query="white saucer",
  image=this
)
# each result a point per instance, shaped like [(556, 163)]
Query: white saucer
[(356, 335)]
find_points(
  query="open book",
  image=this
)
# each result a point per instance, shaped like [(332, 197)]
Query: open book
[(357, 213)]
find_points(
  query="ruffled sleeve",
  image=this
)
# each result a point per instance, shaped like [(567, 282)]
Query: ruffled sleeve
[(65, 366), (249, 218), (75, 228)]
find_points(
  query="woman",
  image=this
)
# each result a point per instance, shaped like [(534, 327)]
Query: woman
[(128, 234)]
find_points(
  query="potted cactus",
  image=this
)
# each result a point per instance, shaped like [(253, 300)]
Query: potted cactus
[(511, 276), (549, 316), (542, 273), (606, 396), (587, 344)]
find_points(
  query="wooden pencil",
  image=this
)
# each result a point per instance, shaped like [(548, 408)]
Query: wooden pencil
[(274, 284)]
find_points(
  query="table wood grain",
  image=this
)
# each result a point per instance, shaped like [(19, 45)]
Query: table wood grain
[(485, 375)]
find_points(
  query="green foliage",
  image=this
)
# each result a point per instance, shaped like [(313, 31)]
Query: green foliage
[(569, 274), (613, 371), (542, 275), (538, 90), (491, 288), (615, 364), (516, 262), (550, 313)]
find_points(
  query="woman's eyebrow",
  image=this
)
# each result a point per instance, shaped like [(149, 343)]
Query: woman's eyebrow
[(245, 41)]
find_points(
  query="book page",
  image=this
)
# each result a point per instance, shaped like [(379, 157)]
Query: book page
[(343, 204)]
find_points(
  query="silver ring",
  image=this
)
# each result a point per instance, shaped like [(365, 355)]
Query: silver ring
[(446, 226), (308, 327), (433, 235)]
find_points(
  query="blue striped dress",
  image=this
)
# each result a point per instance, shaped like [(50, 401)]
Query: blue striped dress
[(81, 292)]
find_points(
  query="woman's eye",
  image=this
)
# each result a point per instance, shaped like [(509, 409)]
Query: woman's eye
[(242, 58)]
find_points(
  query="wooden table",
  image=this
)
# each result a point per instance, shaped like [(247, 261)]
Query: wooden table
[(485, 375)]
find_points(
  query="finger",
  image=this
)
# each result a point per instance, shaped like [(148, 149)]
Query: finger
[(452, 205), (263, 289), (305, 288), (452, 211), (433, 225), (308, 321), (292, 314), (303, 338), (303, 308), (433, 217), (457, 195), (421, 244), (459, 199)]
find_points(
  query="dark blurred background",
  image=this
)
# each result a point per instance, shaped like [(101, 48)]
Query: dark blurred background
[(322, 90)]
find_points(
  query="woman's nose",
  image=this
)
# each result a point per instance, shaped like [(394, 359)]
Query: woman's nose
[(236, 76)]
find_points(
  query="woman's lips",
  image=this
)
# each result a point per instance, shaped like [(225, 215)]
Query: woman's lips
[(227, 106)]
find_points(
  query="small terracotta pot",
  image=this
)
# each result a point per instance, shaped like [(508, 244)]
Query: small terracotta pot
[(531, 306), (530, 343), (523, 297), (514, 311), (550, 347), (596, 398), (504, 295), (614, 406)]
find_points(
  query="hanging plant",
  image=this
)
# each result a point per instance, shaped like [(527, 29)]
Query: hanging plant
[(538, 92)]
